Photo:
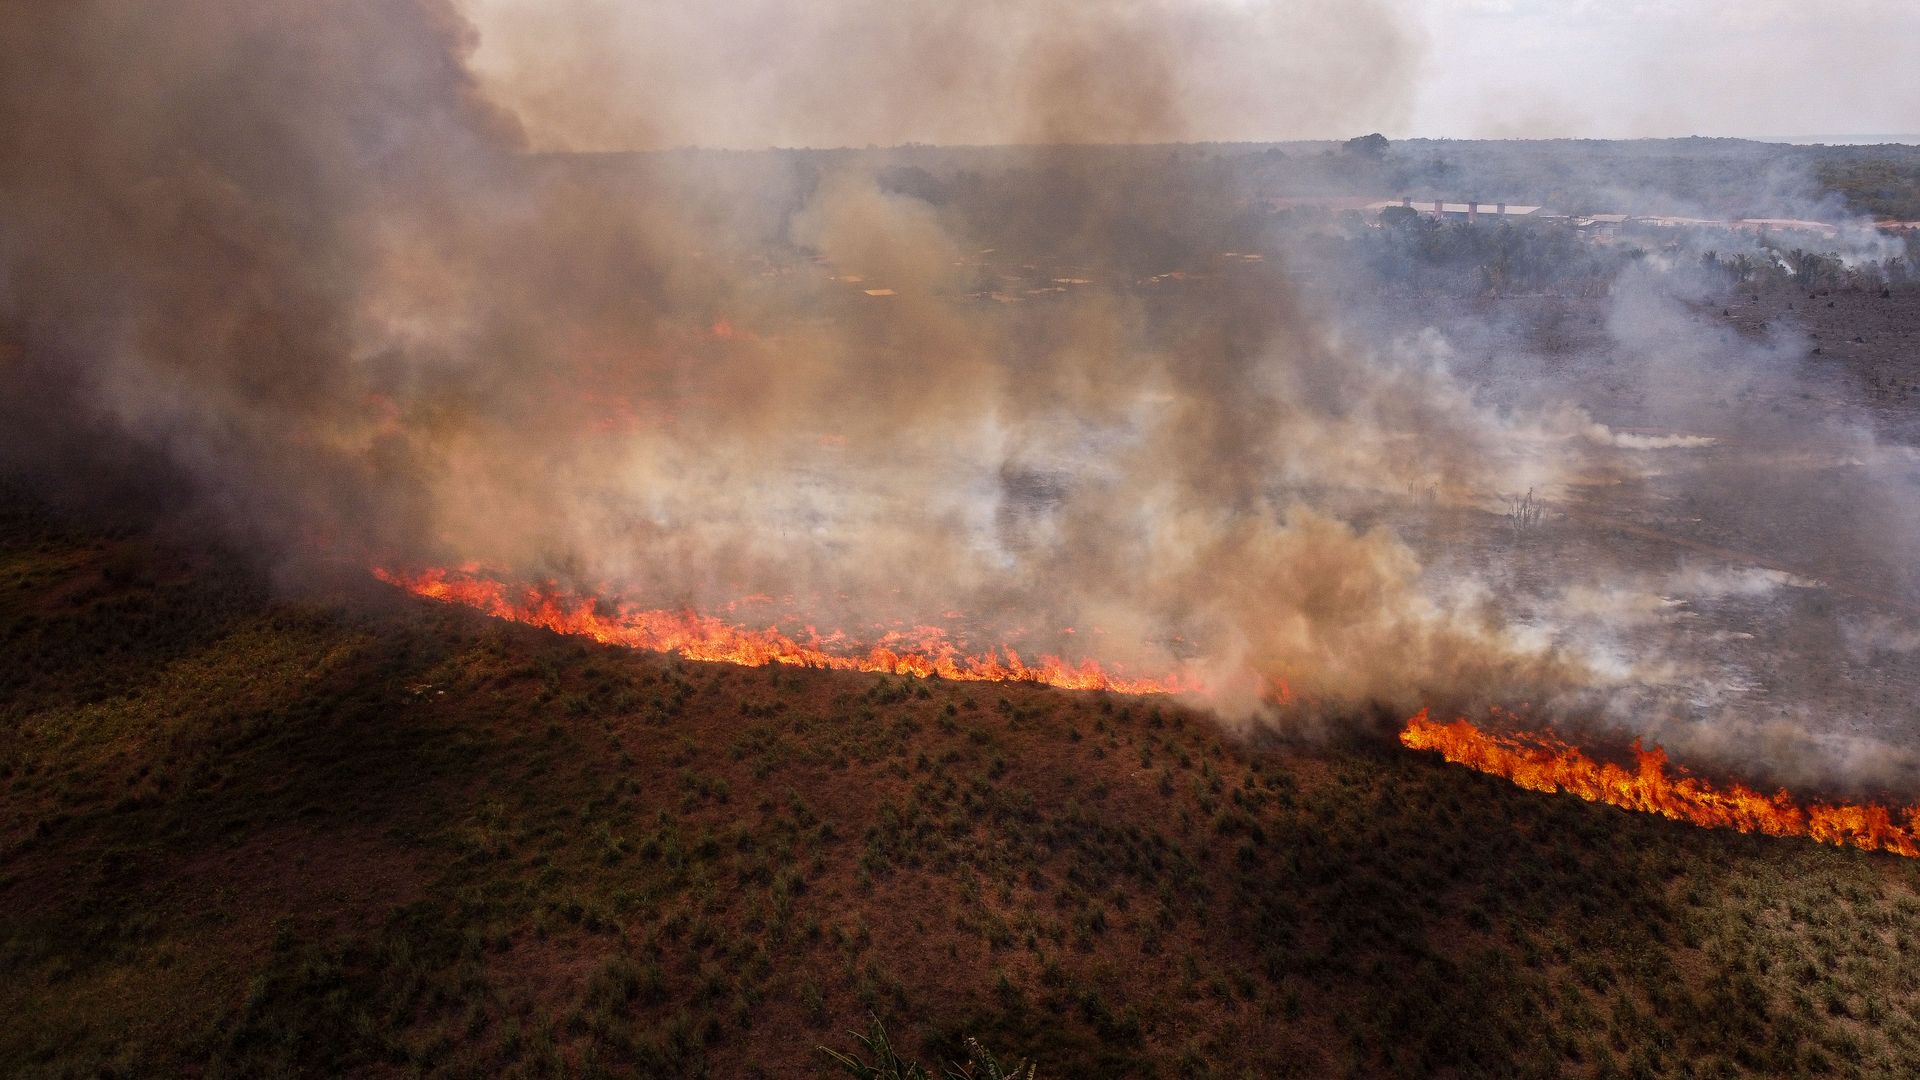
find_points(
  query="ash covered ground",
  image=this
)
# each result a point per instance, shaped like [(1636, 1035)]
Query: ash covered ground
[(1749, 536)]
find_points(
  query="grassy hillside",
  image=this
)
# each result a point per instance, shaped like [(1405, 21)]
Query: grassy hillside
[(244, 835)]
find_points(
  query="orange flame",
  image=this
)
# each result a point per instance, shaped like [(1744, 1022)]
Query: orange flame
[(1542, 762), (703, 637)]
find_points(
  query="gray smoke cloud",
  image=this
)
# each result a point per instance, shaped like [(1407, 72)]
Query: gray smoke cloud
[(311, 260), (606, 75)]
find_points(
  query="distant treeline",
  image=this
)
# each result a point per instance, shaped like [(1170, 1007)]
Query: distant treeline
[(1402, 249), (1719, 178), (1881, 181), (1808, 269), (1421, 254), (1146, 210)]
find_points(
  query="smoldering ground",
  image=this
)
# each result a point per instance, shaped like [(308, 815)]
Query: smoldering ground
[(1734, 547), (310, 261)]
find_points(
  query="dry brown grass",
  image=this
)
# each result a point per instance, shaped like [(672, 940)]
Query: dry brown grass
[(244, 837)]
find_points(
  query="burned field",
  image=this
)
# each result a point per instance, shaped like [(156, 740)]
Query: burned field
[(250, 836), (1745, 524)]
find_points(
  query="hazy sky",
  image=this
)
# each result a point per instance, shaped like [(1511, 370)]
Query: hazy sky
[(1609, 68), (608, 74)]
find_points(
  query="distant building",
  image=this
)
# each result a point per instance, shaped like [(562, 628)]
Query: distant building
[(1667, 221), (1472, 212), (1788, 225), (1600, 226)]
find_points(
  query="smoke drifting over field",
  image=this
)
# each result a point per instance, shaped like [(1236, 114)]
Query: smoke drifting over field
[(305, 258), (603, 75)]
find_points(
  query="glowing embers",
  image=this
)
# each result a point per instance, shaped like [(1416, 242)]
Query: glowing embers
[(1542, 762), (703, 637)]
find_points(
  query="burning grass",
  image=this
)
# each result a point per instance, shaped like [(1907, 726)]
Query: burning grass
[(694, 636), (452, 846), (1540, 761)]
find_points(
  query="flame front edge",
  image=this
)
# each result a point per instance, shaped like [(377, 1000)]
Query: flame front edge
[(1536, 761), (1542, 762), (693, 636)]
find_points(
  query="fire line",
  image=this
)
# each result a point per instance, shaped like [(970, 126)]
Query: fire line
[(694, 636), (1540, 761)]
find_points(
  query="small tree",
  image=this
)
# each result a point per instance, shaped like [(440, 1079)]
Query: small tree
[(1394, 217), (1373, 146), (1523, 515)]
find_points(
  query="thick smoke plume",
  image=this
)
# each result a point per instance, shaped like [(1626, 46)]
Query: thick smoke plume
[(601, 74), (303, 256)]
